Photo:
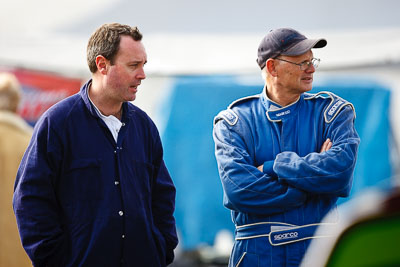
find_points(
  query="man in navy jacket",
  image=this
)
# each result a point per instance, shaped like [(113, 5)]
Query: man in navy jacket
[(92, 188)]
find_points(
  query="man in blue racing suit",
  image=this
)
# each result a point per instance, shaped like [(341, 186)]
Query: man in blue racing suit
[(284, 156)]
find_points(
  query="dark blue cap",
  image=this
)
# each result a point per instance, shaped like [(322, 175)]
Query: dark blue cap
[(285, 42)]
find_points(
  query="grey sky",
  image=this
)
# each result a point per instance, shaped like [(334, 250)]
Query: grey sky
[(52, 35), (250, 16)]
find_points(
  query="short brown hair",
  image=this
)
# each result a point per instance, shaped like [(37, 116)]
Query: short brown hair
[(105, 42), (10, 92)]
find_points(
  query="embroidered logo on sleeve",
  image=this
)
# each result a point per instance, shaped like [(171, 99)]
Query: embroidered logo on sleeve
[(334, 107), (228, 115)]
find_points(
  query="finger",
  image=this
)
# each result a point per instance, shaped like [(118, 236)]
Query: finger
[(260, 168), (328, 146), (323, 147)]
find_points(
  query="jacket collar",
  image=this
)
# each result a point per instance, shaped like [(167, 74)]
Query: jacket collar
[(85, 97), (84, 94), (276, 112)]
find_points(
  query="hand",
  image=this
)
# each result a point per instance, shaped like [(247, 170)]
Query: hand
[(326, 145), (261, 168)]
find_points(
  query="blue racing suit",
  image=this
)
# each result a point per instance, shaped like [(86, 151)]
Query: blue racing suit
[(277, 211)]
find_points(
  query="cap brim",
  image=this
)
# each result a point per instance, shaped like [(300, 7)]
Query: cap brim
[(304, 46)]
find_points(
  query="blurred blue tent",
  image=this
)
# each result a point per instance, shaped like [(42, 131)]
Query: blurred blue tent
[(189, 147)]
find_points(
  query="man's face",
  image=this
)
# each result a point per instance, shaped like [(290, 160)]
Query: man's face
[(126, 73), (291, 78)]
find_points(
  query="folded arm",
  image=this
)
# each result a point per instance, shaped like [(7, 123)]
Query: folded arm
[(328, 171), (246, 189)]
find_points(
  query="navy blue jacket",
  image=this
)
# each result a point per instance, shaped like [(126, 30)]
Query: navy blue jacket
[(81, 199)]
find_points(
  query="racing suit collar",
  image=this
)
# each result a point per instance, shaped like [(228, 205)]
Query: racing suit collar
[(276, 112)]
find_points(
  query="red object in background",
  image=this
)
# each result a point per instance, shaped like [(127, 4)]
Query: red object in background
[(41, 90)]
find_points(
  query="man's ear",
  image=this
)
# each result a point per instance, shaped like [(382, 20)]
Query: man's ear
[(101, 63), (271, 67)]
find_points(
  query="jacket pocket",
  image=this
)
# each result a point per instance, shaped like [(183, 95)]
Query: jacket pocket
[(247, 259), (160, 245), (82, 182)]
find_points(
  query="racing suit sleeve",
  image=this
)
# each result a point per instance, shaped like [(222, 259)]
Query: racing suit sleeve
[(329, 172), (34, 201), (246, 189), (163, 206)]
